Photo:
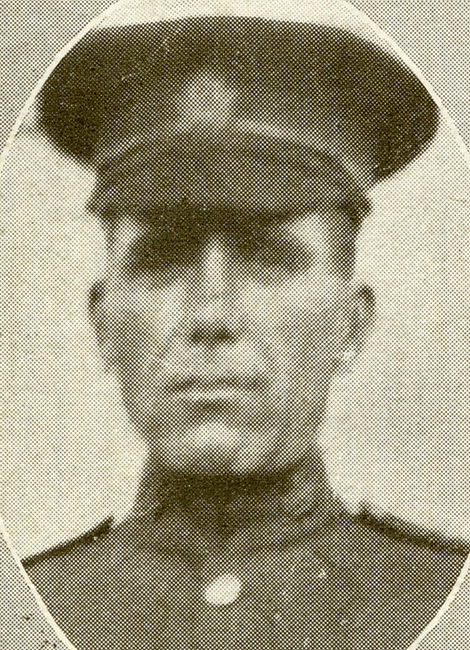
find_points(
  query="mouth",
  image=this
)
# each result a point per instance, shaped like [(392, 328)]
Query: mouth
[(202, 389)]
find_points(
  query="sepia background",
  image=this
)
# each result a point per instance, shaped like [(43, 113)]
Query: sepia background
[(398, 431)]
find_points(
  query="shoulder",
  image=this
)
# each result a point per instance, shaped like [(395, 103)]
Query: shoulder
[(85, 569), (87, 583), (386, 552), (395, 529), (84, 541), (390, 571), (400, 574), (96, 557), (386, 533), (414, 552)]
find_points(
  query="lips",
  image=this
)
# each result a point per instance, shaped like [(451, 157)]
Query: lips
[(210, 388)]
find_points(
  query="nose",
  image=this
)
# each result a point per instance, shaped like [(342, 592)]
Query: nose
[(213, 315)]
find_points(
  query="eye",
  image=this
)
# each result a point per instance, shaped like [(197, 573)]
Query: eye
[(163, 251), (274, 252)]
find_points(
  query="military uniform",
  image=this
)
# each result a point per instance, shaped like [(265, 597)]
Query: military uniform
[(277, 565), (260, 116)]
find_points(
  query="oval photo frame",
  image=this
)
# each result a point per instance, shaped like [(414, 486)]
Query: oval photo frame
[(56, 380)]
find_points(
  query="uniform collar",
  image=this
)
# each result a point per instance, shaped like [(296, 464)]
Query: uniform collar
[(201, 516)]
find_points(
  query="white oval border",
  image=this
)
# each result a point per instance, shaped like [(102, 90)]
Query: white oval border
[(302, 11)]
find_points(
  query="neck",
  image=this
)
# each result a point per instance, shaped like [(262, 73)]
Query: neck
[(231, 501)]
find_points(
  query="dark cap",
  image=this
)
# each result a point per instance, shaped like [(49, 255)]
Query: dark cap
[(250, 111)]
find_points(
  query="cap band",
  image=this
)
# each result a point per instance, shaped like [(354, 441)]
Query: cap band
[(222, 168)]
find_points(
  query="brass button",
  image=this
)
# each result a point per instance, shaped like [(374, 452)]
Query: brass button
[(223, 590)]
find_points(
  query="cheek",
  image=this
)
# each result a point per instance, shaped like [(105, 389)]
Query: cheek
[(306, 310), (302, 325), (139, 318)]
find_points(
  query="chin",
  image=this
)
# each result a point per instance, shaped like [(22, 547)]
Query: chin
[(212, 449)]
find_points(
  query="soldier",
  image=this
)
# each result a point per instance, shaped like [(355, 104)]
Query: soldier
[(233, 160)]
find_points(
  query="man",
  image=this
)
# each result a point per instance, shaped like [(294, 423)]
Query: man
[(233, 159)]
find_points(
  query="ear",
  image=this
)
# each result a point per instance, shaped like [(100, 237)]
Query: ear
[(98, 320), (361, 319)]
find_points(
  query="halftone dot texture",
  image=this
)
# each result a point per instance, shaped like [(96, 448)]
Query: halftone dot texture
[(311, 575), (246, 563), (236, 84)]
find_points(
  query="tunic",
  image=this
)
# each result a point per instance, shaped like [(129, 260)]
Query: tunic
[(274, 568)]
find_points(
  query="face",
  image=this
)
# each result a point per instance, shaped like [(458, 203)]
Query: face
[(225, 332)]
